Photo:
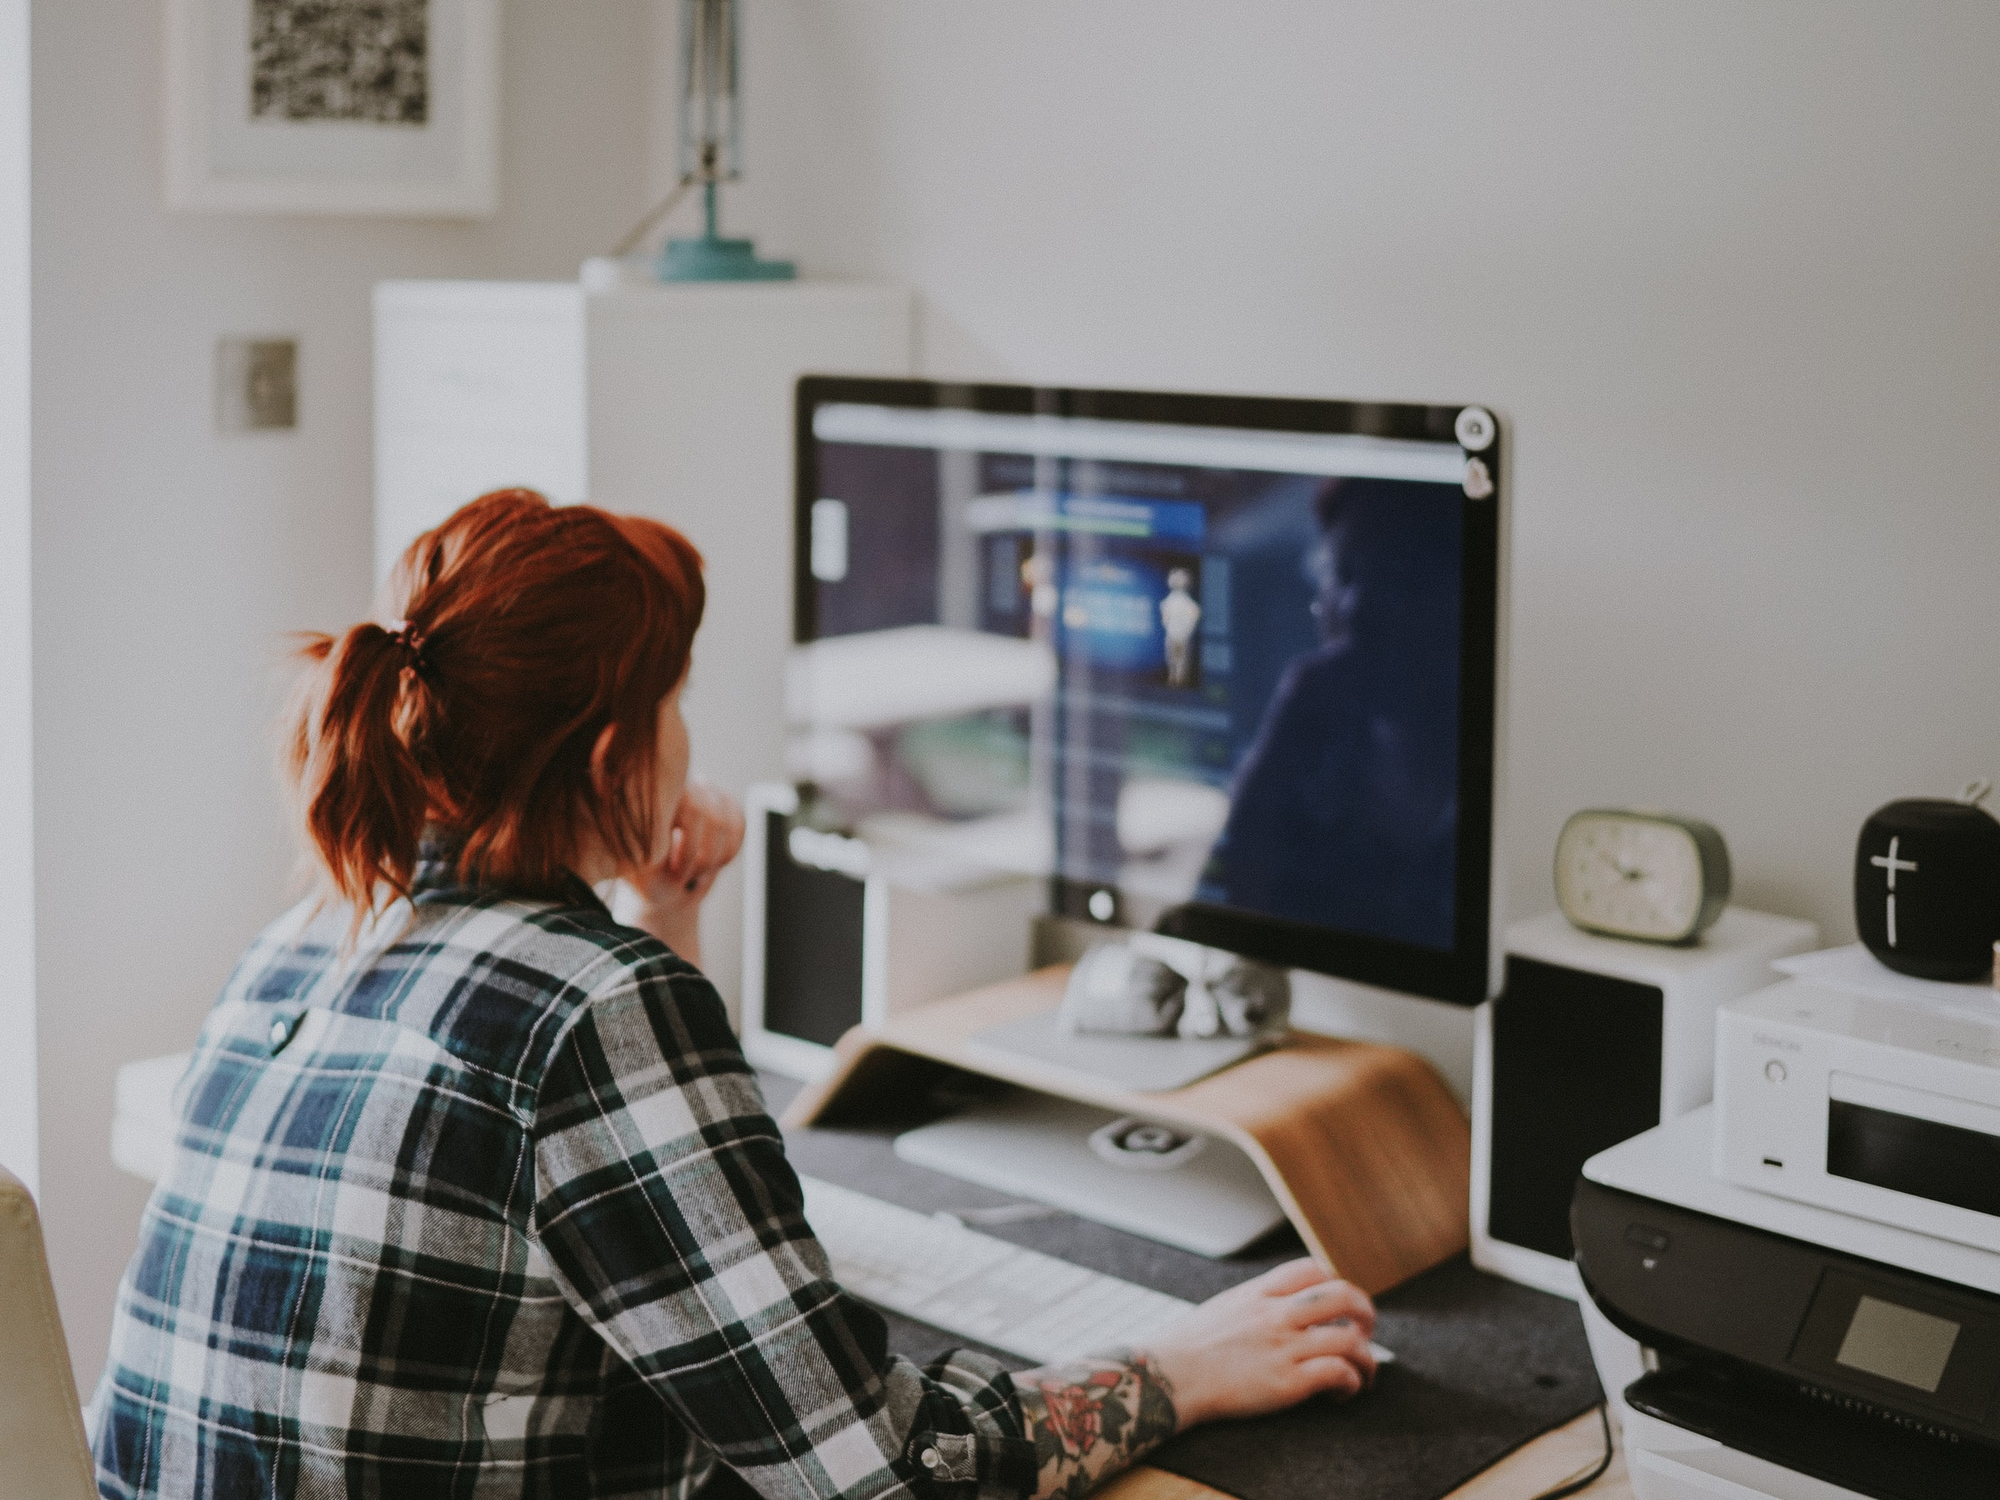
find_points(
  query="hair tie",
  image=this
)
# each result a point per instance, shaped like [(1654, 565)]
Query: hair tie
[(413, 643)]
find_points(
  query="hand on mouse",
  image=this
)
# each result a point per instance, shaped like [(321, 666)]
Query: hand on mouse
[(1260, 1347), (1291, 1333)]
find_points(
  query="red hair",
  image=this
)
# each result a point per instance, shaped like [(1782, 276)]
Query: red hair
[(525, 630)]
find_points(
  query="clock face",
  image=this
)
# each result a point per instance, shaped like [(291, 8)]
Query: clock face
[(1630, 875)]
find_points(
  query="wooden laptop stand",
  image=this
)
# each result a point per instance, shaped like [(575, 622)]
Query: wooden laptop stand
[(1362, 1145)]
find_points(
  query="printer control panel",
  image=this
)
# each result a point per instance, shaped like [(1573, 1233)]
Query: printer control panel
[(1930, 1347), (1924, 1353)]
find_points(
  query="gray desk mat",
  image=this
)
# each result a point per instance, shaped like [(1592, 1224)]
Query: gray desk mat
[(1483, 1366)]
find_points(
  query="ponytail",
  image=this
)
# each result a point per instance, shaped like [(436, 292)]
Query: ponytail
[(530, 631), (363, 795)]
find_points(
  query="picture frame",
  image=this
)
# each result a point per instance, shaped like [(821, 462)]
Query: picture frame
[(344, 107)]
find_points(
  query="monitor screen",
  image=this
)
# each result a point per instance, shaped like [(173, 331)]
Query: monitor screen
[(1220, 666)]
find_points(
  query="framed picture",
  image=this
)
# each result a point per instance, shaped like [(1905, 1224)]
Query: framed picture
[(333, 106)]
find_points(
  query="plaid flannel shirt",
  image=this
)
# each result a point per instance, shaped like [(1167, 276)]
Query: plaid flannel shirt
[(494, 1208)]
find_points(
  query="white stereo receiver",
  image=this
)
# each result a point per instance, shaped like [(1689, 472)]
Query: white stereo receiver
[(1880, 1107)]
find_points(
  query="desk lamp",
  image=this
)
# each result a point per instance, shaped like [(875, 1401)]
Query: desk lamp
[(710, 155)]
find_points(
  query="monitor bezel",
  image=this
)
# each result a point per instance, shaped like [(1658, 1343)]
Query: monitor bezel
[(1464, 974)]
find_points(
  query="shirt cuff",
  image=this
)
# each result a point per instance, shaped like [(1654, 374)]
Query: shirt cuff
[(976, 1445)]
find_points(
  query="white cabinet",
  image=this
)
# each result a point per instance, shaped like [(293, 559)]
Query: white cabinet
[(673, 402), (477, 385)]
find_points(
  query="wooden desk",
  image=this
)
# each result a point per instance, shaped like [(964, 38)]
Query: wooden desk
[(1541, 1465)]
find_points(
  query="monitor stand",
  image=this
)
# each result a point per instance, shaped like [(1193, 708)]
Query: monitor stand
[(1148, 1064), (1362, 1146), (1209, 1199)]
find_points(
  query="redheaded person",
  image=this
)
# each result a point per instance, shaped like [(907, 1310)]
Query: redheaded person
[(472, 1193)]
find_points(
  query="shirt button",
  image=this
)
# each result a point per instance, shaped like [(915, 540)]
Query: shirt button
[(281, 1033), (930, 1458)]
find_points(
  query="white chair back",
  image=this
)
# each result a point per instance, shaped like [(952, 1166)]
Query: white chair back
[(43, 1452)]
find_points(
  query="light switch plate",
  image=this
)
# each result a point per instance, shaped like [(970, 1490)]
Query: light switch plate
[(256, 384)]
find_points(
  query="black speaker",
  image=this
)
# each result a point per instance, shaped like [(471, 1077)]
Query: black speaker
[(1592, 1040), (813, 957), (833, 939), (1927, 888), (1576, 1068)]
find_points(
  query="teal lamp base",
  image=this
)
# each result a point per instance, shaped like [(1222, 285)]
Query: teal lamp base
[(712, 259)]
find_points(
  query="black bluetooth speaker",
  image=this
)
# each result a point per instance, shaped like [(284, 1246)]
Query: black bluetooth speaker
[(1927, 888)]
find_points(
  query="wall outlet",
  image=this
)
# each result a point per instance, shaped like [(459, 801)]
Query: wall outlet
[(256, 384)]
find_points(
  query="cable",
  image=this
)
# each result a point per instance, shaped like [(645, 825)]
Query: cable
[(1584, 1481), (658, 212)]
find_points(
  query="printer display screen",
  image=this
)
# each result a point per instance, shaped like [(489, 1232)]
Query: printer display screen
[(1937, 1350), (1898, 1343)]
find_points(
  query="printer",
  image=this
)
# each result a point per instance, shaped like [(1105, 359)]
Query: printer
[(1794, 1293)]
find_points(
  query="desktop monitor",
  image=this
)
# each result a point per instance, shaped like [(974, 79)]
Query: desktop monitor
[(1223, 667)]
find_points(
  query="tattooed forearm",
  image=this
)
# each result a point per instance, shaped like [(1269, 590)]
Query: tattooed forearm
[(1092, 1418)]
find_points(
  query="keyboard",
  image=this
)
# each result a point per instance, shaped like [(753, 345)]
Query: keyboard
[(932, 1268)]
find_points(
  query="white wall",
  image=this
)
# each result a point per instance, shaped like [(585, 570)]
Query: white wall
[(170, 561), (17, 865), (1730, 270)]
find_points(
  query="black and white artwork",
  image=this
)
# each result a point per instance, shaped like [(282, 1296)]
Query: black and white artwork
[(365, 60), (333, 106)]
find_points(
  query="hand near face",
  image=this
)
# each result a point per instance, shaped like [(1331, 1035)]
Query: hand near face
[(707, 833), (704, 835)]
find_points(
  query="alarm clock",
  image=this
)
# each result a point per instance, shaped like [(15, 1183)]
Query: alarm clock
[(1927, 886), (1645, 875)]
